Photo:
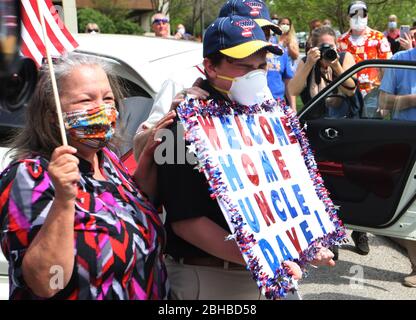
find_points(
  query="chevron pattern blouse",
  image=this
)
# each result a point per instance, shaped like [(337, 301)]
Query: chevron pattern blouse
[(118, 238)]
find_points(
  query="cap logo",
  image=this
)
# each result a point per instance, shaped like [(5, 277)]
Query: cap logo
[(247, 26), (255, 8)]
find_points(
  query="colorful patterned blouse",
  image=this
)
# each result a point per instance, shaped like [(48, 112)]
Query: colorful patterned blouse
[(372, 45), (119, 237)]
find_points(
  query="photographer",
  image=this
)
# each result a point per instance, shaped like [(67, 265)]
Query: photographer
[(321, 65)]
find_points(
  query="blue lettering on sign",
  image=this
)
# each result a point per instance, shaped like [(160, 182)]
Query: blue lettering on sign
[(292, 210), (301, 199), (279, 131), (251, 217), (230, 133), (306, 232), (267, 167), (283, 249), (250, 123), (269, 254), (276, 200), (320, 222), (231, 172)]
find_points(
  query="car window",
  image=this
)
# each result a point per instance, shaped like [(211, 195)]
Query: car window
[(384, 94)]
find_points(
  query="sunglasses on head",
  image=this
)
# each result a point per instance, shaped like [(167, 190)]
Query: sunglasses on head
[(93, 30), (160, 21), (364, 13)]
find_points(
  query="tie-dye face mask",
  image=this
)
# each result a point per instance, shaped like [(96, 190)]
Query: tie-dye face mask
[(93, 127)]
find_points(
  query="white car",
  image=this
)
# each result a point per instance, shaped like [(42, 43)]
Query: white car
[(142, 64)]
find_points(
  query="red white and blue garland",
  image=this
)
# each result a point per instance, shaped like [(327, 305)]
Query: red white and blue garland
[(282, 283)]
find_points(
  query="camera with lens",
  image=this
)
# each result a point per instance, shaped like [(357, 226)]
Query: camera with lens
[(18, 75), (327, 52)]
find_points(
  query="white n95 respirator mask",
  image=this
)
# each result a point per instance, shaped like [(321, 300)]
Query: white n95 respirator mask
[(250, 89)]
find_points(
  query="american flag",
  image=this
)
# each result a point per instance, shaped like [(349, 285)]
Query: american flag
[(59, 39)]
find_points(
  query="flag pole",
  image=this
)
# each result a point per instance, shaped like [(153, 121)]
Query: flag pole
[(52, 74)]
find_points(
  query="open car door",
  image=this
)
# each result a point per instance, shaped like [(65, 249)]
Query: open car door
[(367, 160)]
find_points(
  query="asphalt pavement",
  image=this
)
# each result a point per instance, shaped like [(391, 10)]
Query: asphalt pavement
[(376, 276)]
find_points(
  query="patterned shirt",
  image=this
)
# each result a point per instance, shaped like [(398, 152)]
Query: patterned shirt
[(371, 45), (118, 238)]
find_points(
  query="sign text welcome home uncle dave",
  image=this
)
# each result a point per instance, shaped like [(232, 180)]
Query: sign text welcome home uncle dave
[(262, 177)]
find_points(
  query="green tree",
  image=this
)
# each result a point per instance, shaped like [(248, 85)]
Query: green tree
[(87, 15), (124, 26)]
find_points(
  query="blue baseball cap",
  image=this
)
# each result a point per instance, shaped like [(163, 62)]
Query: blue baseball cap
[(254, 9), (236, 37)]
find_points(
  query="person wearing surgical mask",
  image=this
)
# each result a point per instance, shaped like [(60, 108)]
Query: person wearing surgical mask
[(364, 43), (201, 265), (393, 34), (76, 206), (288, 38), (181, 33)]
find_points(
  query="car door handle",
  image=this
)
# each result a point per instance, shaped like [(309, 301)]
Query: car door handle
[(331, 133)]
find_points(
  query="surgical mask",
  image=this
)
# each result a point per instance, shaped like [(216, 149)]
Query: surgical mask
[(358, 23), (181, 30), (392, 25), (93, 127), (285, 28), (250, 89)]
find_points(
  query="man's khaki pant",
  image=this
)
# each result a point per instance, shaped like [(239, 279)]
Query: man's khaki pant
[(189, 282), (410, 246)]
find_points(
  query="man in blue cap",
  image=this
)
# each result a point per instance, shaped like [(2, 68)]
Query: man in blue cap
[(201, 265), (279, 67), (254, 9)]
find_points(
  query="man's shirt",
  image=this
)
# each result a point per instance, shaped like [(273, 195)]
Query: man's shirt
[(371, 45), (401, 82)]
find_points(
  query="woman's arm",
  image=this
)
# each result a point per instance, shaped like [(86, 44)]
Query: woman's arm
[(348, 86), (298, 83), (291, 99), (293, 50), (145, 175), (53, 246)]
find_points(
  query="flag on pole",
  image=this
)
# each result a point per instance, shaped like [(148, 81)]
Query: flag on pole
[(59, 39)]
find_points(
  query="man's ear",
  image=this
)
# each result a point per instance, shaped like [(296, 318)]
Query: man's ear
[(210, 69)]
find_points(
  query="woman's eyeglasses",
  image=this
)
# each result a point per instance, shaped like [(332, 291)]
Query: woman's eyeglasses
[(93, 30)]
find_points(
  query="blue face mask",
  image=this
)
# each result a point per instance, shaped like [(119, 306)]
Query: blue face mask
[(392, 25)]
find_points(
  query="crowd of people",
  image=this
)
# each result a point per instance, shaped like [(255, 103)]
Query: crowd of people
[(77, 207)]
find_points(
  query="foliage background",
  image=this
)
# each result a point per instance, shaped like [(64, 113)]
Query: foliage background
[(300, 11), (196, 15)]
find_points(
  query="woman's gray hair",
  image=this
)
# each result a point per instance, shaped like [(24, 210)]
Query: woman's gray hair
[(41, 135), (319, 32)]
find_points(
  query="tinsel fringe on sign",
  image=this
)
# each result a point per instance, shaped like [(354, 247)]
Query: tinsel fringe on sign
[(278, 286)]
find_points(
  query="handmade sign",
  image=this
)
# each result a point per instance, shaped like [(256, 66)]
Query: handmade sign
[(263, 174)]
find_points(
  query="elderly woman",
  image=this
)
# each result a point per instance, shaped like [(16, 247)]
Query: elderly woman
[(73, 223)]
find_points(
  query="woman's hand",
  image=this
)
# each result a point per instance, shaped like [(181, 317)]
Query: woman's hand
[(314, 54), (293, 269), (195, 92), (64, 173), (146, 172)]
